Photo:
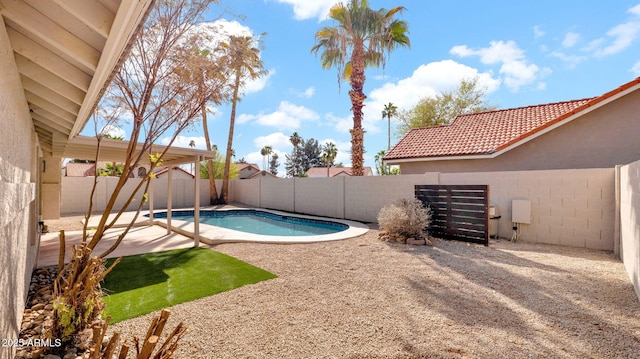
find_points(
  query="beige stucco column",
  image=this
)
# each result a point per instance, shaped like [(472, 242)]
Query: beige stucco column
[(196, 204), (51, 186), (150, 199), (169, 200)]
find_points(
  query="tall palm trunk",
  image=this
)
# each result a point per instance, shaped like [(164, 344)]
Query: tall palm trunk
[(224, 195), (213, 191), (357, 96)]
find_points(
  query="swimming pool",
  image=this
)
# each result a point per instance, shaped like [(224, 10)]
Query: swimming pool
[(260, 222), (267, 226)]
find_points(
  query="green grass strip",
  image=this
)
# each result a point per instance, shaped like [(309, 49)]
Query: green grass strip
[(146, 283)]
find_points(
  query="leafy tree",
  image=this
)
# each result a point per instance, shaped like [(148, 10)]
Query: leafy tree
[(389, 111), (273, 164), (111, 169), (305, 155), (381, 168), (243, 60), (218, 168), (361, 38), (294, 163), (312, 154), (242, 160), (329, 153), (469, 97), (153, 86)]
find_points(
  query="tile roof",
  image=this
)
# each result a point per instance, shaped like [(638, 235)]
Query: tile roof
[(261, 173), (487, 132), (335, 171), (478, 133), (175, 168)]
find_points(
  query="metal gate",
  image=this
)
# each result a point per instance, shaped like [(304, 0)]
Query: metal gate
[(458, 212)]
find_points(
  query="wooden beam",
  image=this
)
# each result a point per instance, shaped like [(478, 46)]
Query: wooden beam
[(48, 60), (52, 96), (44, 31), (48, 79), (92, 13), (36, 101)]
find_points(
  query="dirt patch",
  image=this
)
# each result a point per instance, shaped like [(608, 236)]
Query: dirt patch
[(362, 298)]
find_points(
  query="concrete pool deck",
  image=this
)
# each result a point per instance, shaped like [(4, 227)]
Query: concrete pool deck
[(151, 236)]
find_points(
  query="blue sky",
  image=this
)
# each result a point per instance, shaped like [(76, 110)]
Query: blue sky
[(524, 52)]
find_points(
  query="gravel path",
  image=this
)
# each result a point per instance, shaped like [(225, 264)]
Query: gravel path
[(362, 298)]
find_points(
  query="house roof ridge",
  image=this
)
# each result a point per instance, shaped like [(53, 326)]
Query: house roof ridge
[(492, 131), (529, 106)]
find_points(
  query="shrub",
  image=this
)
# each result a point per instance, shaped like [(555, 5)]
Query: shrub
[(405, 218)]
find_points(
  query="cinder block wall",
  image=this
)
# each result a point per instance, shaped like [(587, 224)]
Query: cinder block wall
[(277, 193), (365, 196), (630, 221), (568, 207), (320, 196), (76, 192)]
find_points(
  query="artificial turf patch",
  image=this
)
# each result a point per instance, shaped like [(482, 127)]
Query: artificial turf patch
[(145, 283)]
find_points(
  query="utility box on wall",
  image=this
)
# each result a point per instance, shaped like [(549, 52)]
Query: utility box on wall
[(521, 211)]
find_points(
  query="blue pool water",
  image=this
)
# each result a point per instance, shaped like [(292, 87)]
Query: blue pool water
[(260, 222)]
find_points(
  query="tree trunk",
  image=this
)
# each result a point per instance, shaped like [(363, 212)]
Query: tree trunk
[(224, 196), (213, 191), (357, 96)]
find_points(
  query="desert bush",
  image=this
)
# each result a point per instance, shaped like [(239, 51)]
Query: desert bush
[(405, 218)]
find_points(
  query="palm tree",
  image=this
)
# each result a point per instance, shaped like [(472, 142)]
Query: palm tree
[(243, 59), (295, 139), (389, 111), (362, 37), (266, 151), (192, 144), (208, 76), (329, 153)]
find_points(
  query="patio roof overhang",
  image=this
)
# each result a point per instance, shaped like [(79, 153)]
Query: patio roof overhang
[(66, 53), (83, 147)]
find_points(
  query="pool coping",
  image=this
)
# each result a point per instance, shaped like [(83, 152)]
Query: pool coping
[(214, 235)]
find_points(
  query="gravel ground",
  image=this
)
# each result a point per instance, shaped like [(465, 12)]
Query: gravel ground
[(362, 298)]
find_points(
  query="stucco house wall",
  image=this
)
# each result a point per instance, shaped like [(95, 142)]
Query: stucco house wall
[(18, 200), (603, 138)]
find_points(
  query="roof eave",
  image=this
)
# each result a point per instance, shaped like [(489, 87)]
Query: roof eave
[(127, 24)]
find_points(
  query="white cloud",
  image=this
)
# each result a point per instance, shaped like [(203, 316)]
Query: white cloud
[(623, 35), (288, 116), (426, 81), (571, 60), (636, 68), (184, 141), (514, 67), (307, 9), (537, 31), (257, 85), (341, 124), (309, 92), (570, 39), (113, 131), (276, 140), (618, 37)]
